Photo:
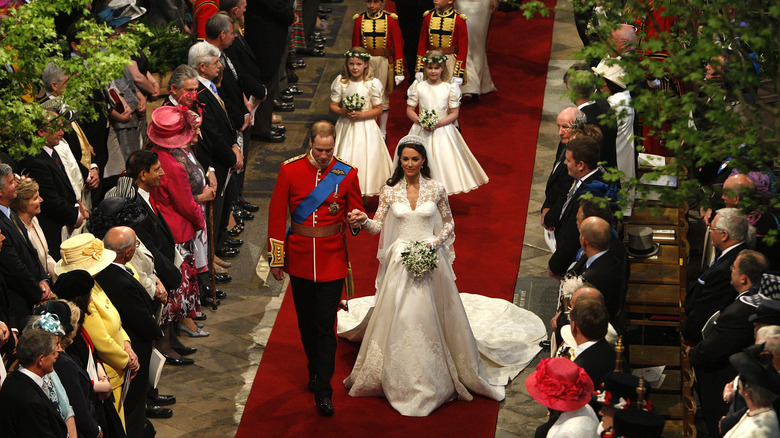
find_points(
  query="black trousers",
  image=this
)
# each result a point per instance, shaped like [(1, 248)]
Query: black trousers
[(410, 18), (316, 304)]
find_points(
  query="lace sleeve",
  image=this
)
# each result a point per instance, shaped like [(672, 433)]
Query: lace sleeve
[(448, 224), (374, 226)]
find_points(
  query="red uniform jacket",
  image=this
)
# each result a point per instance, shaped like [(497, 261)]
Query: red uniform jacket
[(445, 31), (201, 12), (384, 35), (174, 199), (319, 259)]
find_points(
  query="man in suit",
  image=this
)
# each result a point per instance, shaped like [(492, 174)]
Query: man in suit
[(131, 300), (27, 281), (314, 253), (559, 181), (582, 157), (61, 207), (730, 333), (218, 152), (25, 409), (713, 291)]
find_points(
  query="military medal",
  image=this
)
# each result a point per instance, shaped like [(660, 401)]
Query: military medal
[(334, 208)]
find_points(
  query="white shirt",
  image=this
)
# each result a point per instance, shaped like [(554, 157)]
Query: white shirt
[(36, 378), (582, 347), (145, 196), (580, 423)]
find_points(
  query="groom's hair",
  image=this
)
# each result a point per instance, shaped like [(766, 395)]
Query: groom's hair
[(323, 129)]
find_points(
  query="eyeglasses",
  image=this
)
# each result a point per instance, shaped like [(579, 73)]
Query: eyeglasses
[(711, 228), (137, 243)]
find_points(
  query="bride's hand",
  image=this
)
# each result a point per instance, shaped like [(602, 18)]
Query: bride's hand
[(356, 218)]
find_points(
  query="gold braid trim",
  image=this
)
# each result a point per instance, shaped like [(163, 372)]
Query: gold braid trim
[(276, 254)]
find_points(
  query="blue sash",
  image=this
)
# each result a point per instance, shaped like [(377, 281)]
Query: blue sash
[(317, 196)]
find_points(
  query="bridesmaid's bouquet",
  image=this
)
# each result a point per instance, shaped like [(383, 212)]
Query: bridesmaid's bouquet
[(428, 119), (354, 102), (418, 259)]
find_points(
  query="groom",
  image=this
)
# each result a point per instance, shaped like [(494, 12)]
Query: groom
[(318, 189)]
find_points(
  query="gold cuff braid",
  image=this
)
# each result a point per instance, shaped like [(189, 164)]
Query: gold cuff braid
[(276, 253)]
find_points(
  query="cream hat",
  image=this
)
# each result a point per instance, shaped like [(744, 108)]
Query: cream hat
[(84, 252), (614, 73)]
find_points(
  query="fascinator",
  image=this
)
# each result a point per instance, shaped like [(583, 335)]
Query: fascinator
[(48, 322)]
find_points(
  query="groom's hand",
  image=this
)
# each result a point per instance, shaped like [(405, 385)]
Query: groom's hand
[(278, 273)]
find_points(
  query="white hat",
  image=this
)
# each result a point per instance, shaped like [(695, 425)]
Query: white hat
[(85, 252)]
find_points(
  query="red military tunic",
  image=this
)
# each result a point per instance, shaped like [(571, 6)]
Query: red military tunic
[(381, 36), (314, 258), (445, 31)]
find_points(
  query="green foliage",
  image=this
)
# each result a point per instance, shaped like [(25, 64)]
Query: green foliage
[(30, 42), (165, 47)]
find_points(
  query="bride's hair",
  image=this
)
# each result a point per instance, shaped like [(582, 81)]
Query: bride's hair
[(398, 173)]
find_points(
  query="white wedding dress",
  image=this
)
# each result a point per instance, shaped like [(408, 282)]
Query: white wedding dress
[(418, 349)]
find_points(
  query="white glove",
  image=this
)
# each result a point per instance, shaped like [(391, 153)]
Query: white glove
[(457, 81), (399, 79), (418, 76), (654, 83)]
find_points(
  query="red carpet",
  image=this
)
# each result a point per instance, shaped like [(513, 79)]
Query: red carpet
[(501, 131)]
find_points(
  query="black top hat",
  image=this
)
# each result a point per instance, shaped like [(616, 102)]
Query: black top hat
[(755, 366), (637, 423), (73, 284), (618, 390), (640, 242), (768, 313), (62, 310), (115, 212)]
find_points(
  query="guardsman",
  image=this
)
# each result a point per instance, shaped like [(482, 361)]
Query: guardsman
[(318, 189), (444, 29)]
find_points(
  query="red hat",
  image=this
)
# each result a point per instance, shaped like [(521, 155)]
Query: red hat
[(171, 127), (560, 384)]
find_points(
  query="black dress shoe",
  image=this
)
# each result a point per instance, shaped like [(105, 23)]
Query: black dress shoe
[(325, 10), (243, 214), (313, 52), (279, 129), (282, 107), (158, 412), (319, 40), (324, 405), (201, 317), (317, 46), (545, 344), (184, 351), (223, 278), (227, 252), (234, 243), (293, 89), (271, 137), (221, 294), (248, 206), (298, 64), (208, 301), (180, 361), (162, 400), (286, 98), (235, 231)]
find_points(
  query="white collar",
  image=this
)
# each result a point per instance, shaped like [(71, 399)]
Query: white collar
[(145, 196), (729, 249), (582, 105), (593, 258), (36, 378), (206, 83), (582, 347)]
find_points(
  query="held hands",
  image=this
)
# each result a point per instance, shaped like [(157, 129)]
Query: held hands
[(356, 218), (399, 79), (132, 362)]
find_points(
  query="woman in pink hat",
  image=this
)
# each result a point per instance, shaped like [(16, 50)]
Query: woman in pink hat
[(563, 386), (172, 128)]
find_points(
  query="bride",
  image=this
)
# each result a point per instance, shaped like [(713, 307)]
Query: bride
[(418, 349)]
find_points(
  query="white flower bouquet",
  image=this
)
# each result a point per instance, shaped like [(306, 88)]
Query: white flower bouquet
[(354, 102), (428, 119), (418, 259)]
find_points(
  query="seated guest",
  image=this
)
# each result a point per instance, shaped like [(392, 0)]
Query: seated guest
[(27, 205), (759, 385), (582, 156), (25, 409), (560, 322), (713, 291), (26, 279), (619, 391), (730, 332), (562, 386), (102, 321), (559, 181), (120, 283), (638, 423)]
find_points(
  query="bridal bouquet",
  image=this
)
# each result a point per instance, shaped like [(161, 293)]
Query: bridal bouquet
[(428, 119), (354, 102), (418, 259)]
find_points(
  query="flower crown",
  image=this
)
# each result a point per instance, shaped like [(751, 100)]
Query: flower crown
[(360, 55), (441, 60)]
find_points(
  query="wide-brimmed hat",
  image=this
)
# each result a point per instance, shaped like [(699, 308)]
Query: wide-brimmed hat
[(73, 284), (767, 289), (614, 73), (85, 252), (755, 366), (119, 12), (640, 242), (171, 127), (560, 384), (637, 423), (768, 313), (115, 212), (619, 390)]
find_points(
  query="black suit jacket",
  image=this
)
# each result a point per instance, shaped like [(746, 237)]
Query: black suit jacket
[(607, 273), (248, 68), (730, 334), (231, 93), (21, 269), (59, 200), (711, 292), (78, 385), (597, 360), (558, 184), (567, 236), (218, 135), (25, 411), (157, 237), (132, 302), (596, 114), (266, 23)]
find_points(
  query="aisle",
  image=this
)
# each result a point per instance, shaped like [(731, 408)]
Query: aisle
[(501, 131)]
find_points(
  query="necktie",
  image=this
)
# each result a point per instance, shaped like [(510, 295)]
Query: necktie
[(226, 61), (151, 202), (57, 160), (570, 195), (48, 389), (214, 89)]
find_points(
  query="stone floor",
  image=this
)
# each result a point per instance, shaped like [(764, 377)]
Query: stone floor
[(211, 393)]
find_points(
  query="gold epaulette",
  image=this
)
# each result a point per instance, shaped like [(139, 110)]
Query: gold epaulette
[(355, 17), (276, 253), (344, 161), (463, 16), (392, 15), (294, 158), (428, 12)]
